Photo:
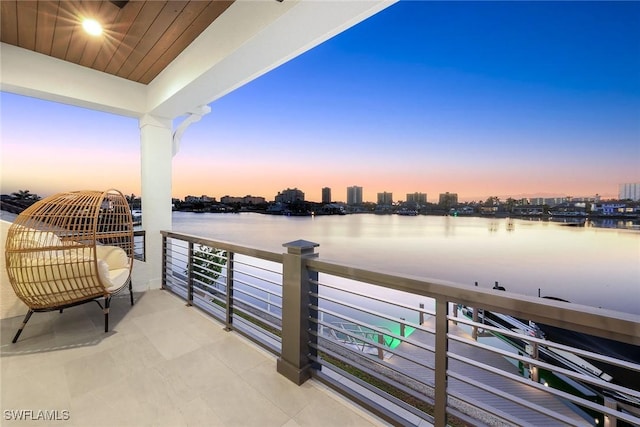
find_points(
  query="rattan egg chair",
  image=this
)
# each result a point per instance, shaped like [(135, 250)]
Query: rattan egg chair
[(69, 249)]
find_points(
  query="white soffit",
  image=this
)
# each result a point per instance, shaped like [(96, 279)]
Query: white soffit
[(28, 73)]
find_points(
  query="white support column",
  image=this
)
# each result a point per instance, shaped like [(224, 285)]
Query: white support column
[(156, 142)]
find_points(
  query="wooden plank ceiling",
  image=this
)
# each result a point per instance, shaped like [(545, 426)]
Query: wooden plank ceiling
[(139, 40)]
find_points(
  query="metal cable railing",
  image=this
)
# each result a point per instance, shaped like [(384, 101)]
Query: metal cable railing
[(140, 245), (418, 345), (483, 375), (240, 287)]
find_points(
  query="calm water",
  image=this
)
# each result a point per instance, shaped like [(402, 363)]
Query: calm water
[(587, 265)]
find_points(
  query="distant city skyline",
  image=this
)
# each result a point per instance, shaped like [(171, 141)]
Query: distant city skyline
[(354, 196), (507, 99)]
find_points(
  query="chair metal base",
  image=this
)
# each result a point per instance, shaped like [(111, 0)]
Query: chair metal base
[(105, 309)]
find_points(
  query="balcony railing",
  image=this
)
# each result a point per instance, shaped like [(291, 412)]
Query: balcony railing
[(412, 349), (140, 245)]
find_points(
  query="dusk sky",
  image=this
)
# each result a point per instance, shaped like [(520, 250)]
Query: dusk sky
[(477, 98)]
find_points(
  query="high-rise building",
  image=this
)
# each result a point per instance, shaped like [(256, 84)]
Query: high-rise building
[(354, 195), (289, 196), (629, 191), (385, 199), (448, 199), (418, 198), (326, 195)]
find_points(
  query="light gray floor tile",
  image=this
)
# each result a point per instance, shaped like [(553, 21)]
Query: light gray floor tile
[(238, 404), (288, 396), (161, 364)]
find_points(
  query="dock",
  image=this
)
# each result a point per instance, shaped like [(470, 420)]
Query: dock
[(511, 411)]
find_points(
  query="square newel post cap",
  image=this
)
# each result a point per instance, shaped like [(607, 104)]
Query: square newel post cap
[(300, 247)]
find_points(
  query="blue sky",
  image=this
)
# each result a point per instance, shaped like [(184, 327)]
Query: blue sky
[(478, 98)]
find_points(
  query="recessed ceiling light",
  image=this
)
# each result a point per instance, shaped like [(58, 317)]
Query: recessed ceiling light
[(92, 27)]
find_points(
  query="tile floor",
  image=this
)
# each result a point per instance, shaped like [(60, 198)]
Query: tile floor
[(162, 364)]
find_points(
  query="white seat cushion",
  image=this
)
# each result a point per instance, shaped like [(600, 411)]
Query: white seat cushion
[(114, 256), (117, 279)]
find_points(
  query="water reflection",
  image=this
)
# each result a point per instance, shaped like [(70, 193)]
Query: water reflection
[(616, 223), (587, 264), (510, 224)]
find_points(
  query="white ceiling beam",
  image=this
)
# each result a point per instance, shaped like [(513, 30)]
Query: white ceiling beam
[(28, 73)]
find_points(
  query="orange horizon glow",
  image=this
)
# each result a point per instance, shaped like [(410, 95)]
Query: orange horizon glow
[(51, 170)]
